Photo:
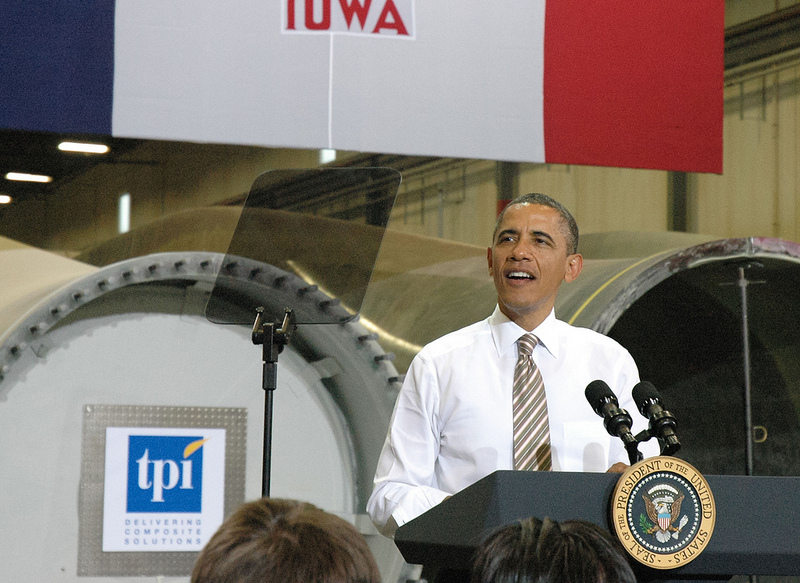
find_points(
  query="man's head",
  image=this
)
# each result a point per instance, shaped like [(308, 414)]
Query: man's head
[(285, 541), (536, 551), (569, 225), (532, 253)]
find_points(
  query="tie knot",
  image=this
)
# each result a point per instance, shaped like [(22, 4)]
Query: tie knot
[(527, 343)]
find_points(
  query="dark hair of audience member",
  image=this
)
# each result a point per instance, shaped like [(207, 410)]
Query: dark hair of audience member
[(285, 541), (545, 551)]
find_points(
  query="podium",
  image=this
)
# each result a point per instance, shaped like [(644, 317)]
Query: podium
[(756, 531)]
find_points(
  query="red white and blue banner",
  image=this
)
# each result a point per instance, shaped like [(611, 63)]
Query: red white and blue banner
[(612, 83)]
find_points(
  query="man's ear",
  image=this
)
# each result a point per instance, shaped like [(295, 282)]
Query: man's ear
[(489, 259), (574, 267)]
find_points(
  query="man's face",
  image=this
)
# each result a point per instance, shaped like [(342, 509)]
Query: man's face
[(528, 261)]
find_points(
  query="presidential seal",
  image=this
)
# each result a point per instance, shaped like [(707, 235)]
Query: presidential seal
[(663, 512)]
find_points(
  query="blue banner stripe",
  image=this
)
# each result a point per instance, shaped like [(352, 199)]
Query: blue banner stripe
[(57, 65)]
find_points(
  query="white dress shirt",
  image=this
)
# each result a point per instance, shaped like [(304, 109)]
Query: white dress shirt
[(452, 422)]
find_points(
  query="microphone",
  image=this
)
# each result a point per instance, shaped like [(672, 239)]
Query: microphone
[(662, 422), (616, 421)]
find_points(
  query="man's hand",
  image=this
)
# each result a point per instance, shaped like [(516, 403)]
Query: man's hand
[(617, 468)]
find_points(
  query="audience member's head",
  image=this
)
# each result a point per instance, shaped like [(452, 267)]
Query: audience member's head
[(285, 541), (536, 551)]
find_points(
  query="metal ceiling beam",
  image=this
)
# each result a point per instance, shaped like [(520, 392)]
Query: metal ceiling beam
[(763, 37)]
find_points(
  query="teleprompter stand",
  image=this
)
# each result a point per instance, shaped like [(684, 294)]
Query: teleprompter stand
[(287, 250), (273, 340)]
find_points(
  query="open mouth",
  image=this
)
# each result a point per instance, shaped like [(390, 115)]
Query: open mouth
[(519, 275)]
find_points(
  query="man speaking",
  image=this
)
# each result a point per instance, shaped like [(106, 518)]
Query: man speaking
[(507, 392)]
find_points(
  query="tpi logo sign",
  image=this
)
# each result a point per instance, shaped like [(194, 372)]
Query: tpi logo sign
[(373, 17), (165, 473)]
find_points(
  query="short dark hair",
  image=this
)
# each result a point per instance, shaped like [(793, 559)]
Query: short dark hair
[(285, 541), (545, 551), (569, 223)]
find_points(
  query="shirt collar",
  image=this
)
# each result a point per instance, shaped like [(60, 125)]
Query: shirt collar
[(506, 332)]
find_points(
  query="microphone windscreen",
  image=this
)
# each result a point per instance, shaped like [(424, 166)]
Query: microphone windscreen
[(597, 393), (642, 392)]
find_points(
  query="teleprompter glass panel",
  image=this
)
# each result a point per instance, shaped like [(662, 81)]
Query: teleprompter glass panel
[(310, 238)]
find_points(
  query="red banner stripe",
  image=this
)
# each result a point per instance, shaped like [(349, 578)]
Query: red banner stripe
[(634, 84)]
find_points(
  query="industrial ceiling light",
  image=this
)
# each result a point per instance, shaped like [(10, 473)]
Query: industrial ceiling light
[(83, 148), (327, 155), (5, 199), (25, 177)]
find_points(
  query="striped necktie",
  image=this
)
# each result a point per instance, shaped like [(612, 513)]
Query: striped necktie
[(531, 427)]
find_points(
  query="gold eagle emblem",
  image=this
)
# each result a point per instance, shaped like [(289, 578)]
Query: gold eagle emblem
[(663, 511)]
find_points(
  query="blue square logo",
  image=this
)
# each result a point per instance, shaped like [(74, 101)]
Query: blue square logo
[(165, 473)]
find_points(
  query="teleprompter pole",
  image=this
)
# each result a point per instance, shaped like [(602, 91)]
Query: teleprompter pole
[(273, 340)]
